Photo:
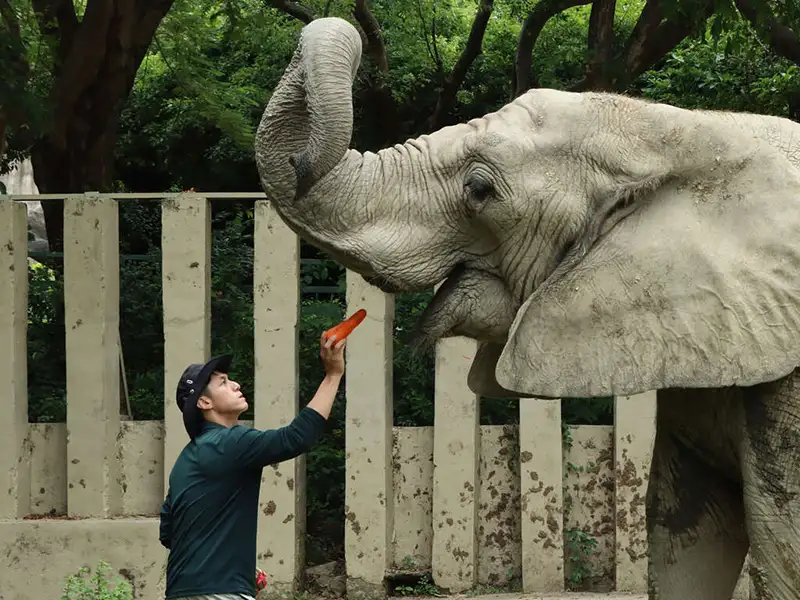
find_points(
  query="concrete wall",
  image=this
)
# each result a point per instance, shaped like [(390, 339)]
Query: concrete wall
[(474, 505), (64, 545)]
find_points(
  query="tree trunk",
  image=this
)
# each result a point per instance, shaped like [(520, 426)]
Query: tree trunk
[(537, 18), (379, 94), (455, 79), (97, 61), (783, 40), (601, 37), (652, 38)]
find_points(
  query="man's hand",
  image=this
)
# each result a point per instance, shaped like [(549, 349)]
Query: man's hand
[(332, 356)]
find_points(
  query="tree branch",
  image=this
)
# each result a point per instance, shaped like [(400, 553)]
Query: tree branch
[(601, 37), (57, 20), (668, 34), (455, 78), (11, 20), (649, 20), (375, 48), (431, 51), (293, 9), (782, 39), (531, 28), (20, 61), (651, 39)]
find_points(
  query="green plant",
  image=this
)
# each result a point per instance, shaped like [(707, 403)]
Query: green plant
[(579, 546), (79, 586), (423, 587)]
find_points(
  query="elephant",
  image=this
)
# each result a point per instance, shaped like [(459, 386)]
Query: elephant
[(593, 244)]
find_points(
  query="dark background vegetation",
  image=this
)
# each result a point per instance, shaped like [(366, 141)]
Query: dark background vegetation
[(177, 109)]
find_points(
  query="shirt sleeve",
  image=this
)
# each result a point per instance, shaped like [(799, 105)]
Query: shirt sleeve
[(249, 447), (165, 526)]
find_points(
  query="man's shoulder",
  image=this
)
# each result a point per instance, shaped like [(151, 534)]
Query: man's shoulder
[(218, 438)]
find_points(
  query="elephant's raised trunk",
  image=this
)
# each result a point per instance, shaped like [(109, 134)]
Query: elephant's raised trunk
[(307, 125)]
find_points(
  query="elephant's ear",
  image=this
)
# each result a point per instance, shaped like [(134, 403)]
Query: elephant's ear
[(698, 287)]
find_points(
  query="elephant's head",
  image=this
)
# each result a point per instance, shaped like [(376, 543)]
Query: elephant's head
[(594, 244)]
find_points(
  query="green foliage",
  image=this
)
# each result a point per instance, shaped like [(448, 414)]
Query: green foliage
[(732, 72), (579, 545), (81, 586), (424, 587)]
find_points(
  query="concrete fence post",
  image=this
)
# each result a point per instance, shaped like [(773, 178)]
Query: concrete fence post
[(91, 318), (276, 314), (186, 297), (634, 435), (456, 456), (369, 506), (541, 486), (15, 470)]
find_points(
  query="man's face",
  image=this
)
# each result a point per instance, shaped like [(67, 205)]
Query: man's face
[(223, 396)]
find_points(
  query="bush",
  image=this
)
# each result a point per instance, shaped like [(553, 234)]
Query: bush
[(80, 586)]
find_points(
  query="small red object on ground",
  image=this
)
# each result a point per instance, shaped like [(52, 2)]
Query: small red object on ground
[(346, 327), (261, 580)]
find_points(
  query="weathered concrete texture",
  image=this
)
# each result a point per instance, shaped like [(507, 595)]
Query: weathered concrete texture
[(589, 496), (368, 428), (499, 548), (541, 476), (141, 451), (634, 434), (412, 463), (499, 527), (186, 288), (15, 482), (276, 296), (455, 469), (36, 557), (91, 317), (358, 589), (49, 468)]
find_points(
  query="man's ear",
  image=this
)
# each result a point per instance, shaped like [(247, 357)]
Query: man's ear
[(204, 402)]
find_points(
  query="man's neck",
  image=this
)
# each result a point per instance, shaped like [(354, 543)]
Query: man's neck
[(224, 420)]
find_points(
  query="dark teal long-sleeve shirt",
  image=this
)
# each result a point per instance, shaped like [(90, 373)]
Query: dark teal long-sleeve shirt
[(208, 519)]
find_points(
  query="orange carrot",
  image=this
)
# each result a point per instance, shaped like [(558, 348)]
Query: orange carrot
[(345, 328)]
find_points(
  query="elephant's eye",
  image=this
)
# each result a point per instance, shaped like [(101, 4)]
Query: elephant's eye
[(478, 187)]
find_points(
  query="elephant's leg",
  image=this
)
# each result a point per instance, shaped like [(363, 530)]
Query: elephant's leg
[(695, 512), (771, 471)]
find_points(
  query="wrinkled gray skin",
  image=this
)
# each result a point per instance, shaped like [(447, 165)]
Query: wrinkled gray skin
[(594, 245)]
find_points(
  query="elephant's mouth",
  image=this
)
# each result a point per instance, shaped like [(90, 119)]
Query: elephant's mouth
[(384, 284), (470, 303)]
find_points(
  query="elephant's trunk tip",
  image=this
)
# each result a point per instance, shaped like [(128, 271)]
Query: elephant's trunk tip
[(307, 125)]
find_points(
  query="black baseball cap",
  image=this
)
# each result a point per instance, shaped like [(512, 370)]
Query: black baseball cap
[(194, 379)]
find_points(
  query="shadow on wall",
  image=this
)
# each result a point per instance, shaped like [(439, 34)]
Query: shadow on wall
[(19, 181)]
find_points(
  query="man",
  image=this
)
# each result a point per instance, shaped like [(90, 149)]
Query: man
[(208, 519)]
